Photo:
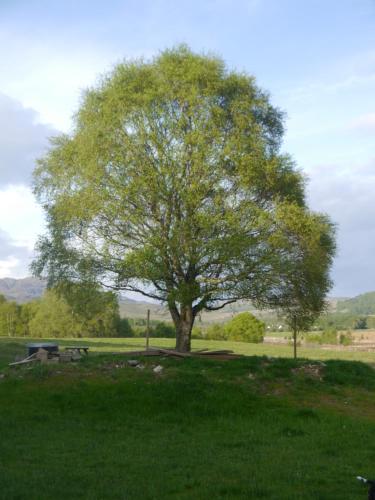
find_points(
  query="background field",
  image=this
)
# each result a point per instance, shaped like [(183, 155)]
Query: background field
[(9, 347)]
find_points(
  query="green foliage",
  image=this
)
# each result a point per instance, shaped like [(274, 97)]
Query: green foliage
[(360, 324), (124, 328), (53, 318), (172, 184), (75, 314), (197, 333), (344, 321), (329, 336), (313, 338), (163, 330), (245, 327), (346, 338), (68, 312), (9, 318), (216, 332)]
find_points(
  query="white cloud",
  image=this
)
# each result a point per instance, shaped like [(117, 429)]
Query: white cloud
[(20, 215), (14, 258), (22, 140)]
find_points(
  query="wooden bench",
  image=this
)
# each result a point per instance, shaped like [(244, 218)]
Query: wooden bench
[(77, 348)]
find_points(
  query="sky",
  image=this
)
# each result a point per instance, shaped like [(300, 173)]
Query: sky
[(315, 58)]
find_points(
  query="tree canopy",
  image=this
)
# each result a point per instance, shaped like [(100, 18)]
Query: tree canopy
[(172, 184), (304, 274)]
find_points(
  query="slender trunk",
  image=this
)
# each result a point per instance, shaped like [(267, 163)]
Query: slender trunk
[(295, 342), (183, 321)]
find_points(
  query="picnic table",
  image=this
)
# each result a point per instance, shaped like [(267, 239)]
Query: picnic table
[(78, 348)]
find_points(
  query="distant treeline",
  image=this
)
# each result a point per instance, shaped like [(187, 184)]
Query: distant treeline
[(74, 312), (90, 314), (336, 320), (345, 321)]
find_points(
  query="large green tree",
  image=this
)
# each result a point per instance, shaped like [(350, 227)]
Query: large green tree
[(172, 185)]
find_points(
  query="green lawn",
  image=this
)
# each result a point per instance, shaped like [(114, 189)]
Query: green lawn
[(247, 428), (9, 346)]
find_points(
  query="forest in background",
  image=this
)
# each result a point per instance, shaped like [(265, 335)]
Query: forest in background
[(95, 313)]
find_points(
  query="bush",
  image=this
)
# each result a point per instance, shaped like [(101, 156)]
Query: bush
[(139, 331), (216, 332), (329, 336), (123, 328), (346, 338), (314, 338), (360, 324), (163, 330), (246, 328), (197, 333)]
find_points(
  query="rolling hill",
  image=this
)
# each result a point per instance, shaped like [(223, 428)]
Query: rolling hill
[(363, 304), (26, 289)]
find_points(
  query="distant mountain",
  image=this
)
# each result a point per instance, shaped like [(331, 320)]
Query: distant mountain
[(26, 289), (363, 304), (138, 309), (22, 290)]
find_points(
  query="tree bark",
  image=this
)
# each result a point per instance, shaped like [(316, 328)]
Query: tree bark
[(295, 342), (183, 320)]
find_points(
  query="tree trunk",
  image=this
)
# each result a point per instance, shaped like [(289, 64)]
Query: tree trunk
[(183, 321), (295, 342)]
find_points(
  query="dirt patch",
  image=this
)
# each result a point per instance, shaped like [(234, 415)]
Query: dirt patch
[(313, 370)]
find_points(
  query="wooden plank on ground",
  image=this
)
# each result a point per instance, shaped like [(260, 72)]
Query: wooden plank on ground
[(29, 359), (170, 352)]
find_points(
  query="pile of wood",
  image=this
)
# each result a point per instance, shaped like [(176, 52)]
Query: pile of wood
[(202, 353), (45, 357)]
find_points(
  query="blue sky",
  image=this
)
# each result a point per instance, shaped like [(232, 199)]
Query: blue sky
[(316, 58)]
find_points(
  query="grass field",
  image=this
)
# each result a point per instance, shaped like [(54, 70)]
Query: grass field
[(255, 427), (10, 346)]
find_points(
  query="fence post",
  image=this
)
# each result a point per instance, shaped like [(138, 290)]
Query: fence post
[(148, 330)]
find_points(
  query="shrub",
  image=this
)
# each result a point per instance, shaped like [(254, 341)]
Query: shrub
[(346, 338), (123, 328), (314, 338), (163, 330), (360, 323), (246, 328), (139, 331), (216, 332), (197, 333), (329, 336)]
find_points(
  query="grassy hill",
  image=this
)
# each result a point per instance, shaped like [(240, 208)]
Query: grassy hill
[(253, 428), (363, 304)]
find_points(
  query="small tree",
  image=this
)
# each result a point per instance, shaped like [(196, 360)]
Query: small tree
[(245, 327), (360, 323), (172, 185), (305, 280)]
